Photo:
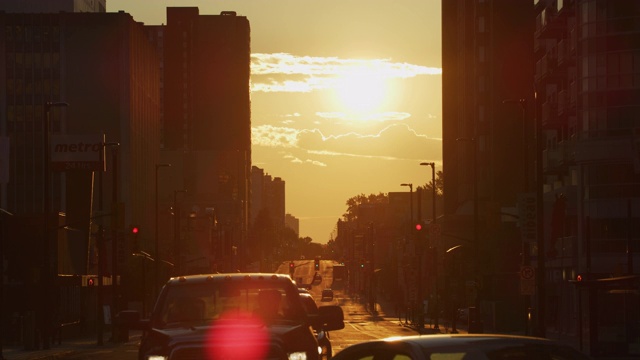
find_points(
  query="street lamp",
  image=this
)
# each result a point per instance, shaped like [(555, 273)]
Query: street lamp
[(156, 275), (474, 167), (49, 275), (454, 318), (433, 224), (525, 246), (3, 235), (410, 202), (433, 180), (176, 232), (115, 216), (418, 285), (101, 249)]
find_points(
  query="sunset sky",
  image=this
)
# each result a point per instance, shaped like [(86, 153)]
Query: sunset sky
[(346, 95)]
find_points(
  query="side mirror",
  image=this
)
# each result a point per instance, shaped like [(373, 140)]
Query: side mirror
[(332, 317), (130, 320)]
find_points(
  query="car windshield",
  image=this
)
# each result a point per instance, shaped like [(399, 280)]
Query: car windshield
[(201, 303)]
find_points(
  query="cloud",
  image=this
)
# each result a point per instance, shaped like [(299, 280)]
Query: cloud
[(383, 145), (282, 72), (380, 117)]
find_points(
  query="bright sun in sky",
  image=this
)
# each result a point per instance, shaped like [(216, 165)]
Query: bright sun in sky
[(361, 92)]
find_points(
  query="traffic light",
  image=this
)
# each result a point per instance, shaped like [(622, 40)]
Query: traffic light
[(419, 226), (317, 263), (292, 267), (134, 232)]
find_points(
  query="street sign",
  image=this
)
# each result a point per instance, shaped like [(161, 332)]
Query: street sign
[(527, 272), (527, 280)]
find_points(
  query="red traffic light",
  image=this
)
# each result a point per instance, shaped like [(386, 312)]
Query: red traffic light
[(292, 265), (579, 278), (134, 230), (418, 226), (90, 282)]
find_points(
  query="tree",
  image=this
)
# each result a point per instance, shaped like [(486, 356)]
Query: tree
[(439, 184), (362, 199)]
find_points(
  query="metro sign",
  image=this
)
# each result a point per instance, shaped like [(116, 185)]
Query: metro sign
[(76, 152)]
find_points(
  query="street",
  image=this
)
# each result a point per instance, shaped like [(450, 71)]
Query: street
[(360, 323)]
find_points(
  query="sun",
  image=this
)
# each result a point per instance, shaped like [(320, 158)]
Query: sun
[(361, 92)]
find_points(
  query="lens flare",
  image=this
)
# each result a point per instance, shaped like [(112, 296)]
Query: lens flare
[(238, 336)]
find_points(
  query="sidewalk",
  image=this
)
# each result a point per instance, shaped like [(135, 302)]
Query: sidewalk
[(387, 311), (66, 348)]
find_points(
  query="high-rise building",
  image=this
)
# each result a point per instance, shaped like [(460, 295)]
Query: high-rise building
[(53, 6), (487, 127), (205, 116), (587, 79), (100, 76), (292, 223)]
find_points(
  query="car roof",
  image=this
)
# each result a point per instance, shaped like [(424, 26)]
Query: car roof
[(447, 340), (456, 343), (229, 277)]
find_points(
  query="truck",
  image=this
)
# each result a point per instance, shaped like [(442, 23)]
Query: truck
[(231, 316)]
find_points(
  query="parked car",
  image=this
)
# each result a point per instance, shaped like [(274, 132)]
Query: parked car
[(322, 335), (327, 295), (231, 316), (461, 347)]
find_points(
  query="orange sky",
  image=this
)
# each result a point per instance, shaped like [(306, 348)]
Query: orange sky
[(346, 95)]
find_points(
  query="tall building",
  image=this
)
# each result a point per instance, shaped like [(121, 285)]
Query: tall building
[(487, 127), (588, 84), (102, 77), (53, 6), (206, 118), (292, 223), (268, 193)]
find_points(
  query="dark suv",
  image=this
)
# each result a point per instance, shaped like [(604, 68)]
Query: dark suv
[(231, 316)]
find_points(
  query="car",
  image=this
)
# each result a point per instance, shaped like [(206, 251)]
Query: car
[(231, 316), (322, 335), (327, 295), (459, 347)]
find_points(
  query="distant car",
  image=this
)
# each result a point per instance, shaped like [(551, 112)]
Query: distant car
[(461, 346), (324, 343), (327, 295)]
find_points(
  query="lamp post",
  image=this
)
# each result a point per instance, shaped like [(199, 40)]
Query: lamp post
[(410, 202), (115, 216), (433, 224), (454, 318), (3, 235), (525, 188), (410, 185), (541, 274), (476, 245), (49, 275), (176, 232), (156, 274), (101, 250)]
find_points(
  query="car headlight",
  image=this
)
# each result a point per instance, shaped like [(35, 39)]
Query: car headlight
[(300, 355), (157, 357)]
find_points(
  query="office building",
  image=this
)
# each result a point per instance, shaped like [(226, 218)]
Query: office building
[(587, 78), (487, 68), (205, 117)]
